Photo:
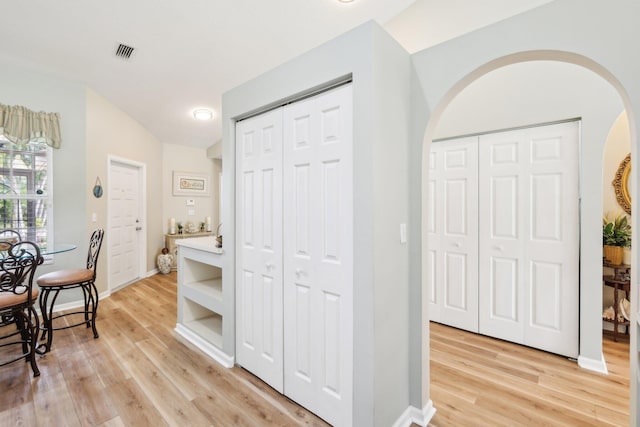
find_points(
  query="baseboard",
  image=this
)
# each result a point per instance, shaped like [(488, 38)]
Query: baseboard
[(205, 346), (79, 303), (593, 364), (413, 415), (74, 304)]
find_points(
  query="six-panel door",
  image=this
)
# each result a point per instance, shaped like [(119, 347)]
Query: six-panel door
[(452, 233), (259, 247), (295, 251), (525, 274)]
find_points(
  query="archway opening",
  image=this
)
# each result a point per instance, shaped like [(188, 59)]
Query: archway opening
[(528, 89)]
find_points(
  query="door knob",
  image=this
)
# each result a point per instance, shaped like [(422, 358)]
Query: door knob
[(299, 272), (138, 228), (269, 266), (497, 248)]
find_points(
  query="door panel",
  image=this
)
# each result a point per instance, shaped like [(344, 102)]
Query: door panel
[(125, 207), (502, 228), (553, 248), (529, 237), (452, 227), (259, 252), (318, 254)]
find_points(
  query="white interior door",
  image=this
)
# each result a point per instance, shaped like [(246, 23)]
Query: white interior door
[(529, 237), (452, 228), (126, 222), (259, 307), (318, 254)]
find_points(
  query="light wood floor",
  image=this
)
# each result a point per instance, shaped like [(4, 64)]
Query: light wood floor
[(481, 381), (138, 374)]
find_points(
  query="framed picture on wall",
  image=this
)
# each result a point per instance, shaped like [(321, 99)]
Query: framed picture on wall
[(191, 184)]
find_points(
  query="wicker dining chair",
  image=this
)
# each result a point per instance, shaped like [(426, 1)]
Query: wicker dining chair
[(19, 321), (51, 284)]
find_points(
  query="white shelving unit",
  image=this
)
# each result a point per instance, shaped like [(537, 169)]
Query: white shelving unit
[(203, 303)]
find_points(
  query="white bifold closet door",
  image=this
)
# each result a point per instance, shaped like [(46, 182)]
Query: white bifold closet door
[(259, 247), (529, 237), (294, 262), (452, 233), (527, 199)]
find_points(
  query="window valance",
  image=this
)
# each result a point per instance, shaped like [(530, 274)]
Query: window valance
[(21, 125)]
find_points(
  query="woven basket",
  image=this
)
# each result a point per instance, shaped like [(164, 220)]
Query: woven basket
[(613, 254)]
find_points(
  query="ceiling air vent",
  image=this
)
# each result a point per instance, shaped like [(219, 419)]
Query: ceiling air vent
[(123, 51)]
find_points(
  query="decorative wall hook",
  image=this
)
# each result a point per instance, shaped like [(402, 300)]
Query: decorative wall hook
[(97, 189)]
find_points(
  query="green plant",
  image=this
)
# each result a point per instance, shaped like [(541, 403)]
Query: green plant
[(616, 232)]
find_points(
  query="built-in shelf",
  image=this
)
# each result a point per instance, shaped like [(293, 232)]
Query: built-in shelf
[(209, 328), (207, 293), (203, 303)]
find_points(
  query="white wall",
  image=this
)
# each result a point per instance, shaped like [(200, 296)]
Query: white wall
[(189, 159), (535, 92), (111, 132), (381, 95), (616, 149), (42, 92), (530, 93), (589, 33)]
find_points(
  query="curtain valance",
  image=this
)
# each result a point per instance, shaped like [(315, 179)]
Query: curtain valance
[(21, 125)]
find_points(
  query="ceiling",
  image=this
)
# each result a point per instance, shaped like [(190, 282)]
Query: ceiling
[(189, 52)]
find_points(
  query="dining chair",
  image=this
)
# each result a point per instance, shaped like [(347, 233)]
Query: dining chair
[(51, 284), (7, 237), (17, 296)]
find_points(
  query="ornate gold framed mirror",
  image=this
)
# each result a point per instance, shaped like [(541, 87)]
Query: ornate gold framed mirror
[(621, 184)]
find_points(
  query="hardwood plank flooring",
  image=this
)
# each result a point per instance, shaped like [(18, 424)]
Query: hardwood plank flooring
[(482, 381), (138, 373)]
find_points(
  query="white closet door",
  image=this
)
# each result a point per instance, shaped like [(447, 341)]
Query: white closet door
[(552, 281), (259, 307), (318, 254), (452, 228), (529, 237)]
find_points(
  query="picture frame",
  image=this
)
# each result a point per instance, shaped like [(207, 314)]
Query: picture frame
[(621, 184), (191, 184)]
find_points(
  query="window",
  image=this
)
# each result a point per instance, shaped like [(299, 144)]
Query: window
[(25, 183)]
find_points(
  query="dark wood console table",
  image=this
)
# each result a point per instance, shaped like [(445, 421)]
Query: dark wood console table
[(619, 281)]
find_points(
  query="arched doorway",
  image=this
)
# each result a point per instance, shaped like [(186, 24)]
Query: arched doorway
[(590, 159)]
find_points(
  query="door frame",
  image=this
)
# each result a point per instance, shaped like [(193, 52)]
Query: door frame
[(142, 241)]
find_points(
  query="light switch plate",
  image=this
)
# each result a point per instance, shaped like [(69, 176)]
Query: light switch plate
[(403, 233), (191, 202)]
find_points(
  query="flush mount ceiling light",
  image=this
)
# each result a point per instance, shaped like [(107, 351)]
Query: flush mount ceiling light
[(345, 1), (202, 114)]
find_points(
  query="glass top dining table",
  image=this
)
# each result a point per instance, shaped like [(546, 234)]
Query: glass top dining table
[(45, 250), (57, 248)]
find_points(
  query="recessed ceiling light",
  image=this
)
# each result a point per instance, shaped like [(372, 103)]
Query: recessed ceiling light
[(202, 114)]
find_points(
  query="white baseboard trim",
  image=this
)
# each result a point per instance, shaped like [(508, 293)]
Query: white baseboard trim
[(413, 415), (74, 304), (593, 364), (205, 346), (79, 303)]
